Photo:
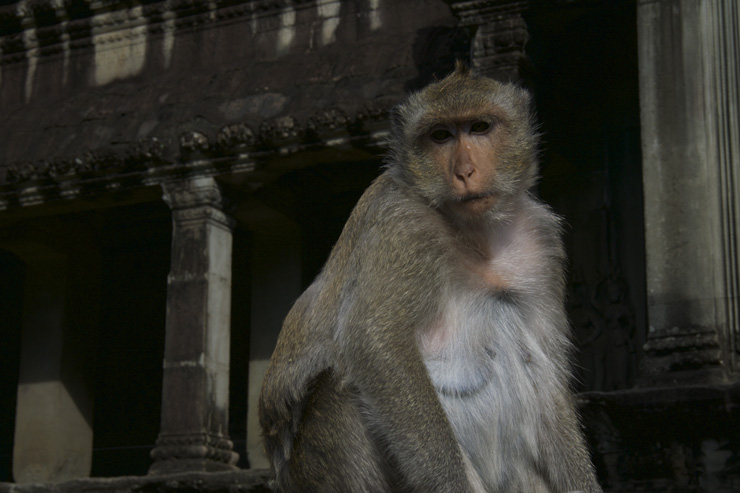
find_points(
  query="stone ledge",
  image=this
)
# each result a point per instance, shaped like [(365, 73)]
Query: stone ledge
[(243, 481), (674, 439)]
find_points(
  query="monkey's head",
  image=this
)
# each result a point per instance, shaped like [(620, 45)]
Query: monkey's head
[(467, 144)]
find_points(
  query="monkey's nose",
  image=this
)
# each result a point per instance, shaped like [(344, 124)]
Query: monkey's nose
[(464, 172)]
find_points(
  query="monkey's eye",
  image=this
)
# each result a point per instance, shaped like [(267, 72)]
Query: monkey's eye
[(480, 127), (440, 135)]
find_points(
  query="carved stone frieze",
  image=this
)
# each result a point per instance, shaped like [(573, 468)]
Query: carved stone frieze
[(192, 142), (498, 48), (113, 158), (329, 119), (604, 324), (57, 26), (328, 124), (281, 128), (152, 160), (500, 35), (478, 12), (235, 135), (150, 151), (135, 157)]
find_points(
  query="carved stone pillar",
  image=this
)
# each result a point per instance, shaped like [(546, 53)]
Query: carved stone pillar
[(689, 75), (500, 35), (195, 392)]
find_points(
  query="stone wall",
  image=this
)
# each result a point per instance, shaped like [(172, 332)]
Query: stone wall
[(248, 118), (173, 174)]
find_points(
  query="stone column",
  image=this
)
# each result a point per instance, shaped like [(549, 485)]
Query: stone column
[(688, 57), (195, 392), (500, 35), (53, 429)]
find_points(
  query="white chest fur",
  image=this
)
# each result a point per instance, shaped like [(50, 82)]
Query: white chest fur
[(488, 357)]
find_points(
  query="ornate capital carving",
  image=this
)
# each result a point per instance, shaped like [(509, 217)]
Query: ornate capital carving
[(198, 199), (196, 192)]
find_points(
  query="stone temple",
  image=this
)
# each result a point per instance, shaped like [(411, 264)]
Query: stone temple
[(174, 172)]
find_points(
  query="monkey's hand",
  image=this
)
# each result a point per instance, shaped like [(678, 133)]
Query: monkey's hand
[(276, 420)]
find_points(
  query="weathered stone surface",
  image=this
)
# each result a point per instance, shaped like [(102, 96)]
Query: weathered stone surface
[(195, 394), (691, 228), (102, 100), (53, 435), (252, 481), (500, 35), (671, 439), (53, 439), (149, 77)]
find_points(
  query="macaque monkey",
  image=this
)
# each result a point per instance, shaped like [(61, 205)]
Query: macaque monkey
[(432, 353)]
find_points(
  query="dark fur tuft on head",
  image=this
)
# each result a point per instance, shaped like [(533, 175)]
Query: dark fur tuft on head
[(461, 68)]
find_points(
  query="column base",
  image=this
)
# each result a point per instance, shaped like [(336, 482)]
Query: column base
[(175, 466), (689, 355), (190, 453)]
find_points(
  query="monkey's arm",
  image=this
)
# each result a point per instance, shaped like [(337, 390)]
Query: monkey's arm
[(305, 347), (399, 268), (299, 355)]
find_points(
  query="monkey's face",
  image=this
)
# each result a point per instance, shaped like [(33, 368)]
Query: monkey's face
[(466, 144), (465, 153)]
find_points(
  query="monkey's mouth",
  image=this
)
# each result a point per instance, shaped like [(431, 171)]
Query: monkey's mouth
[(474, 203), (475, 196)]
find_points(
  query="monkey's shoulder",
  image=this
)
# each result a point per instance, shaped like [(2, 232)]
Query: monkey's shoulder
[(391, 203), (391, 225)]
